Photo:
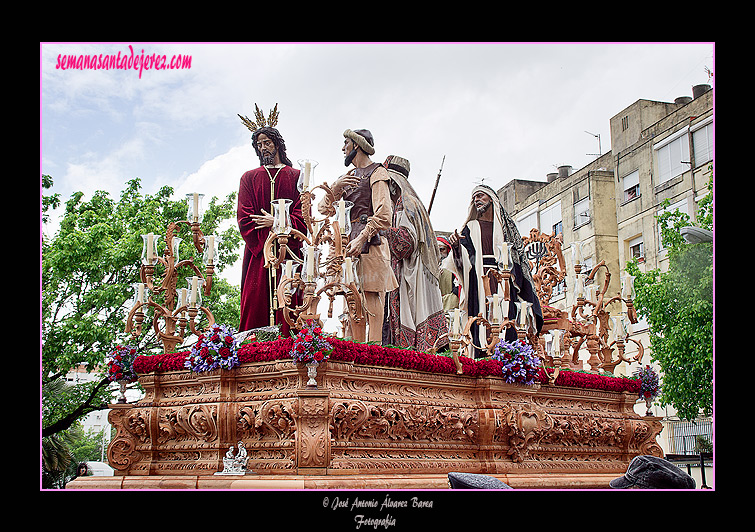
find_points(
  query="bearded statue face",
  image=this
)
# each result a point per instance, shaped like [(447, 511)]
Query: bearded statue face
[(482, 202), (267, 149)]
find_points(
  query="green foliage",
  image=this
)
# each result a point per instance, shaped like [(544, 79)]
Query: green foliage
[(88, 268), (678, 305)]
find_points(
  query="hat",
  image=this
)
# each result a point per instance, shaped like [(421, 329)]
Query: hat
[(471, 481), (651, 472), (398, 164), (444, 240), (362, 138)]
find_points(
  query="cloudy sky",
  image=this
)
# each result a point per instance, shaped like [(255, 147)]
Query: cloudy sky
[(496, 111)]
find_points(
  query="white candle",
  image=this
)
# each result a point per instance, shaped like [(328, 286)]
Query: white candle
[(505, 255), (193, 300), (342, 214), (496, 309), (505, 308), (140, 293), (579, 289), (182, 301), (523, 314), (348, 274), (456, 323), (556, 342), (310, 263), (150, 248), (210, 249), (282, 213), (307, 171), (196, 207)]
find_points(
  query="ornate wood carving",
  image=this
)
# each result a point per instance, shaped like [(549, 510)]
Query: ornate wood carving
[(373, 419)]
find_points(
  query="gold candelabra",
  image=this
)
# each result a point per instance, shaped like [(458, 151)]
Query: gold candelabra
[(592, 325), (588, 322), (332, 276), (181, 307)]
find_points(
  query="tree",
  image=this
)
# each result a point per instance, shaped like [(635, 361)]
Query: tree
[(678, 305), (88, 268)]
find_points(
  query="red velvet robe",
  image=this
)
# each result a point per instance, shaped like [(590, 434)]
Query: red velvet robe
[(254, 196)]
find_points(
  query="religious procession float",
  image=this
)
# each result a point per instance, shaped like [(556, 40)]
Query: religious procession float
[(310, 410)]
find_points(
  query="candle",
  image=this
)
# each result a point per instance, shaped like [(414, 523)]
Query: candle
[(281, 213), (577, 252), (523, 313), (579, 288), (505, 308), (182, 297), (210, 248), (196, 207), (289, 268), (342, 215), (496, 309), (193, 300), (310, 263), (140, 293), (505, 255), (150, 248), (456, 323), (556, 342), (348, 274), (307, 171)]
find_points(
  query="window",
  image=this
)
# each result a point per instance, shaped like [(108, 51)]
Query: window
[(702, 143), (636, 249), (632, 186), (527, 222), (625, 123), (672, 157), (581, 212), (550, 220)]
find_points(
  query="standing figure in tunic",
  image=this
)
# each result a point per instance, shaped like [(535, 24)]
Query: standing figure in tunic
[(414, 311), (366, 186), (475, 251), (274, 179)]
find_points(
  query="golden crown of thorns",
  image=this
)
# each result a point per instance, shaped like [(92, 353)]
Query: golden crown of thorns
[(260, 121)]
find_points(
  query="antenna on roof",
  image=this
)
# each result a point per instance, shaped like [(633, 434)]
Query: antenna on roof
[(600, 149)]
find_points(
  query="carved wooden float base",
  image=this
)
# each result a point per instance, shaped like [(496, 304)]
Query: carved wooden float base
[(340, 482), (369, 427)]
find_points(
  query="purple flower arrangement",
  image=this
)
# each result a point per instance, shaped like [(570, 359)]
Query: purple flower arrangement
[(217, 348), (120, 364), (520, 363), (649, 386)]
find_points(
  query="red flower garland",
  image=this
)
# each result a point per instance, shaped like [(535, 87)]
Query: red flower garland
[(377, 355)]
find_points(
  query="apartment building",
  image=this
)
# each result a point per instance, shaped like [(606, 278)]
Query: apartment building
[(659, 151), (662, 151)]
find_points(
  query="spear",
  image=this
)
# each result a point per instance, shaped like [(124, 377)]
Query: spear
[(437, 180)]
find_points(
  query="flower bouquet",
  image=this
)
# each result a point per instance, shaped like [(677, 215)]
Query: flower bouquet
[(649, 385), (217, 348), (120, 364), (520, 364), (311, 348), (310, 345)]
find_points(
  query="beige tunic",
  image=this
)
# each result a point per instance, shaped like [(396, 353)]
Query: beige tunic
[(374, 267)]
